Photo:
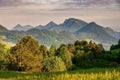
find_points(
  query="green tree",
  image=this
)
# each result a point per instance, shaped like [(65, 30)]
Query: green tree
[(86, 53), (117, 46), (66, 56), (118, 57), (53, 64), (119, 42), (52, 51), (71, 48), (25, 56), (3, 55), (44, 52)]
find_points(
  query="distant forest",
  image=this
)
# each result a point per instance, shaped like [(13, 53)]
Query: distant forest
[(29, 56)]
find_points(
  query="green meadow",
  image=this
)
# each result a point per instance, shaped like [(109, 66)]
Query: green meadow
[(81, 74)]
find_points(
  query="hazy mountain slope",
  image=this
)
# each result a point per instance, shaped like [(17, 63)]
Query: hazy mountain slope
[(14, 36), (96, 32), (73, 24), (44, 36), (112, 33), (3, 29), (70, 25), (18, 27), (48, 26), (66, 37), (38, 27)]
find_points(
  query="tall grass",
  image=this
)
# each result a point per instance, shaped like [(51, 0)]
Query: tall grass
[(89, 74)]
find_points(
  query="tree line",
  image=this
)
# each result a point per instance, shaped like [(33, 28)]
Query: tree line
[(28, 55)]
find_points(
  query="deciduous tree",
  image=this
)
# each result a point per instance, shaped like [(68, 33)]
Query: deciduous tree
[(25, 56)]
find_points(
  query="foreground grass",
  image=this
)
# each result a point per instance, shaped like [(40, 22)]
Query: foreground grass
[(82, 74)]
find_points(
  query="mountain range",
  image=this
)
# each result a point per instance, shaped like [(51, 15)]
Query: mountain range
[(67, 32), (18, 27)]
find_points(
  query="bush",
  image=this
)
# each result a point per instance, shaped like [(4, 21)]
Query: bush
[(65, 55), (54, 64)]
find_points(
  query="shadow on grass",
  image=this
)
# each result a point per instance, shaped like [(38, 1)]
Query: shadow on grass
[(11, 74), (16, 74)]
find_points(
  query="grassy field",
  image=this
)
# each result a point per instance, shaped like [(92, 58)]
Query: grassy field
[(82, 74)]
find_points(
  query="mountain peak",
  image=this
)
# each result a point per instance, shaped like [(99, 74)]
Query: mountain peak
[(74, 19), (51, 23), (18, 27), (72, 24), (2, 28), (39, 26), (71, 21), (93, 23)]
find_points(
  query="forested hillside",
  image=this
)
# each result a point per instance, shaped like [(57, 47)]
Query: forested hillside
[(28, 55)]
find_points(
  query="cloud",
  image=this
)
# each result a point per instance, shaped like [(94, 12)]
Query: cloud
[(4, 3), (14, 3), (58, 4), (118, 1), (90, 2)]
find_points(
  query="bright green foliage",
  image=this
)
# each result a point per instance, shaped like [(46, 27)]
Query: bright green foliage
[(25, 56), (3, 55), (51, 63), (54, 64), (52, 51), (66, 56)]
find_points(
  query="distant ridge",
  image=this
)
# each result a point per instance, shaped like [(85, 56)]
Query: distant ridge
[(48, 26), (3, 29), (18, 27), (67, 32), (94, 31)]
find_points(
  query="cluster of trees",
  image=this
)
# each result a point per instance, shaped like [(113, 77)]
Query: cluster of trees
[(116, 49), (86, 54), (117, 46), (28, 55)]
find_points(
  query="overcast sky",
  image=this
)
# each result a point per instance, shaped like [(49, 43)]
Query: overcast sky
[(40, 12)]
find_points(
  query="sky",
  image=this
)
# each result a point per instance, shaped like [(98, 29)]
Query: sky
[(40, 12)]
